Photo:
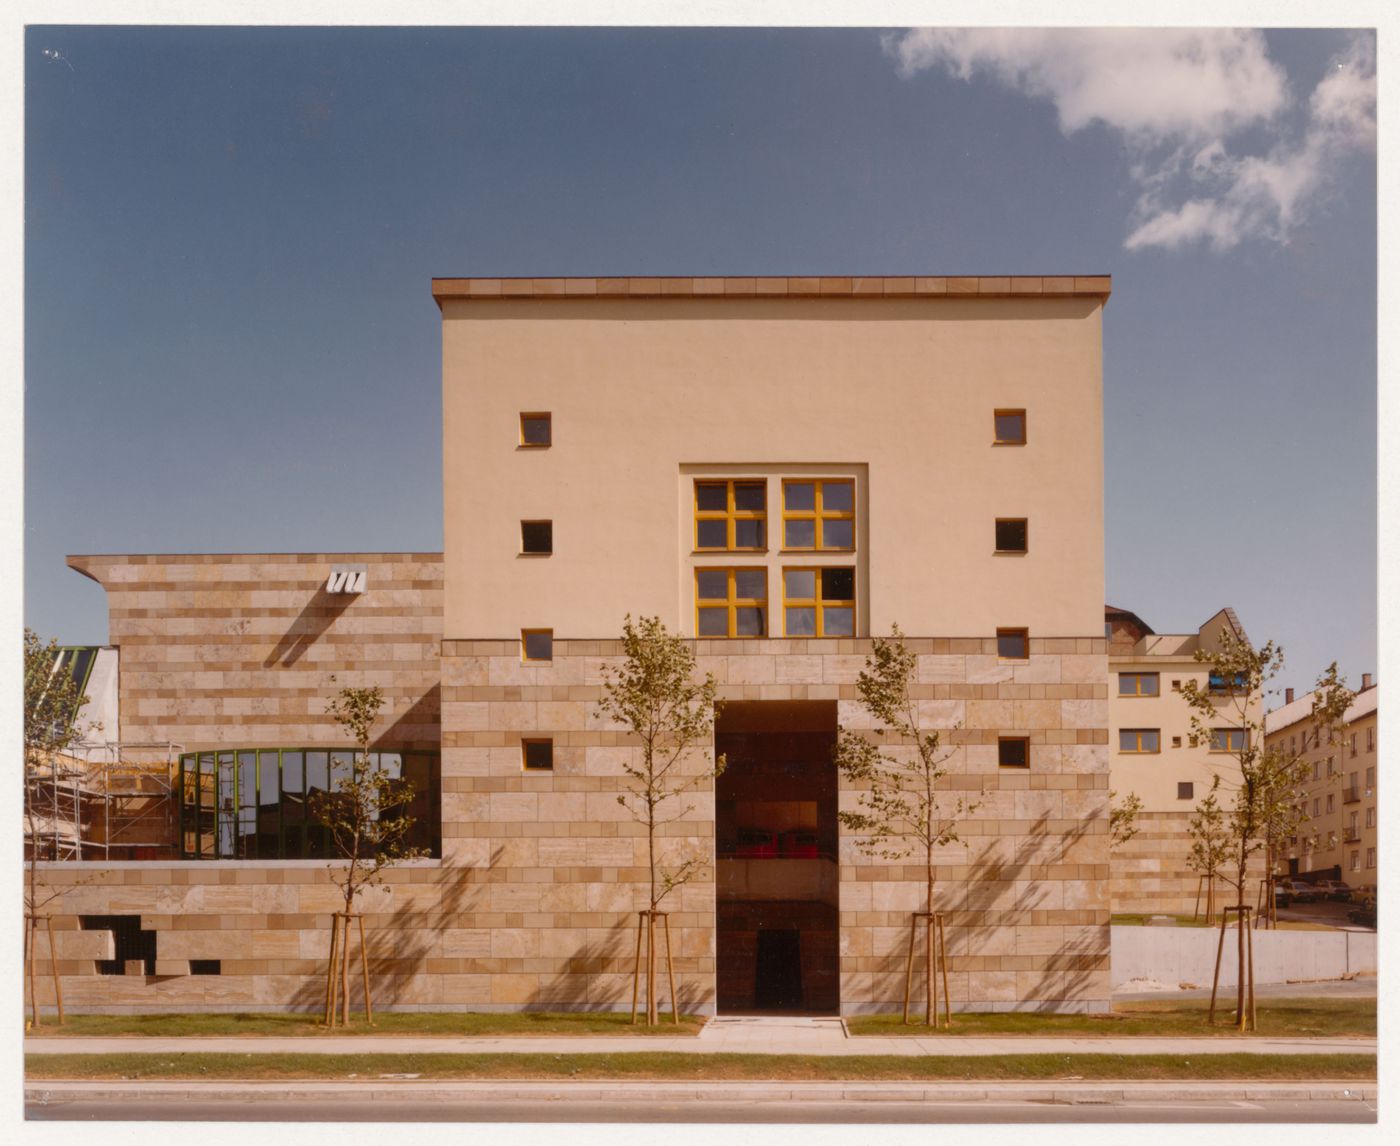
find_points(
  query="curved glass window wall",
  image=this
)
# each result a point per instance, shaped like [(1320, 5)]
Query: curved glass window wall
[(256, 803)]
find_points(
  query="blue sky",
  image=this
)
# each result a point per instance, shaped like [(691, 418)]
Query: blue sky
[(230, 343)]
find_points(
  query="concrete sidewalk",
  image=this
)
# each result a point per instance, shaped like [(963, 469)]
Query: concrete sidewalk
[(652, 1092), (724, 1035)]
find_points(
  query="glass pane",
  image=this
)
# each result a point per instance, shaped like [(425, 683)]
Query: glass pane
[(712, 584), (1127, 740), (534, 430), (1127, 684), (800, 584), (539, 754), (712, 534), (1011, 753), (750, 496), (799, 495), (801, 622), (838, 497), (391, 764), (539, 646), (1151, 740), (1012, 645), (751, 584), (838, 534), (800, 534), (342, 766), (839, 622), (317, 772), (1147, 685), (1011, 536), (711, 496), (1011, 427), (292, 773), (537, 536), (269, 782), (749, 534), (714, 622), (838, 584), (748, 622)]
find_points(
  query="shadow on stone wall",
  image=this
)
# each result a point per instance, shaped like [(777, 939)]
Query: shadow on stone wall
[(316, 616)]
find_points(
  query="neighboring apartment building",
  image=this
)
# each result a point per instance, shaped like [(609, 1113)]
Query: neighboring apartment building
[(1337, 838), (1151, 755), (777, 468)]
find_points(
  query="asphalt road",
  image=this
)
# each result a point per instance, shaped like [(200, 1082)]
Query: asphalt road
[(718, 1111)]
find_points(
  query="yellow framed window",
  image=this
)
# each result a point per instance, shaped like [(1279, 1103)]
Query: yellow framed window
[(1139, 684), (1227, 740), (819, 515), (1139, 740), (731, 602), (819, 602), (731, 515)]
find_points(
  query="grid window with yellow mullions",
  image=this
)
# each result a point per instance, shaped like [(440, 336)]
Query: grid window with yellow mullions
[(819, 515), (731, 515), (731, 602), (819, 602)]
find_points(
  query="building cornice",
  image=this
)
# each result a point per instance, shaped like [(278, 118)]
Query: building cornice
[(877, 286)]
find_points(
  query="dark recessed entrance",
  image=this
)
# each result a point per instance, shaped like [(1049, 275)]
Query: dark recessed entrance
[(776, 868)]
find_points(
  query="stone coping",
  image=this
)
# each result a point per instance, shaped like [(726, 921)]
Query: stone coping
[(872, 286)]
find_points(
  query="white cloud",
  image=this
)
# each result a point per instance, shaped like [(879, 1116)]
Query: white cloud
[(1180, 99)]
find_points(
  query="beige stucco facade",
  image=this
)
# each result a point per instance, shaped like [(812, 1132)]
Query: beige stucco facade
[(1338, 838), (887, 388), (1152, 757)]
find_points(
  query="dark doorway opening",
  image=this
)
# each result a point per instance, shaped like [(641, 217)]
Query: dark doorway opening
[(776, 865), (778, 971)]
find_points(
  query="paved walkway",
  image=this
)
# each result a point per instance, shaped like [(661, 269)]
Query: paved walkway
[(768, 1034)]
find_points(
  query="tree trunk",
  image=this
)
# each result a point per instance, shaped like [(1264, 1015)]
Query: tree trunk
[(32, 927), (345, 973)]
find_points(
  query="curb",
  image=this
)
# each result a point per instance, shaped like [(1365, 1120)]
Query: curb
[(1106, 1093)]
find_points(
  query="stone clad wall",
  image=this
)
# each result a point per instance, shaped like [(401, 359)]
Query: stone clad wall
[(1150, 876), (238, 650)]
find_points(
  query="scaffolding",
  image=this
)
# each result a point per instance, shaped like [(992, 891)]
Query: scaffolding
[(103, 801)]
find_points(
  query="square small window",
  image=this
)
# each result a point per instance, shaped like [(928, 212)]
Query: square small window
[(1013, 644), (537, 644), (538, 755), (1013, 751), (537, 537), (1185, 790), (536, 431), (1009, 427), (1176, 741), (1176, 686), (1011, 535)]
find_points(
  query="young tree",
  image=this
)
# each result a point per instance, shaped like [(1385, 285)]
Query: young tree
[(1228, 715), (369, 828), (655, 696), (898, 807), (52, 700), (1122, 819), (1210, 845)]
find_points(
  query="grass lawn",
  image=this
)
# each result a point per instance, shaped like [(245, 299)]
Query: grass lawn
[(1297, 1017), (385, 1023), (670, 1065)]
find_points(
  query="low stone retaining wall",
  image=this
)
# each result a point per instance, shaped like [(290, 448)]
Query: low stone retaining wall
[(1176, 955)]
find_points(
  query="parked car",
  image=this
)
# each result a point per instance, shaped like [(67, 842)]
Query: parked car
[(1333, 889), (1363, 894), (1299, 891), (1364, 915), (1283, 896)]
